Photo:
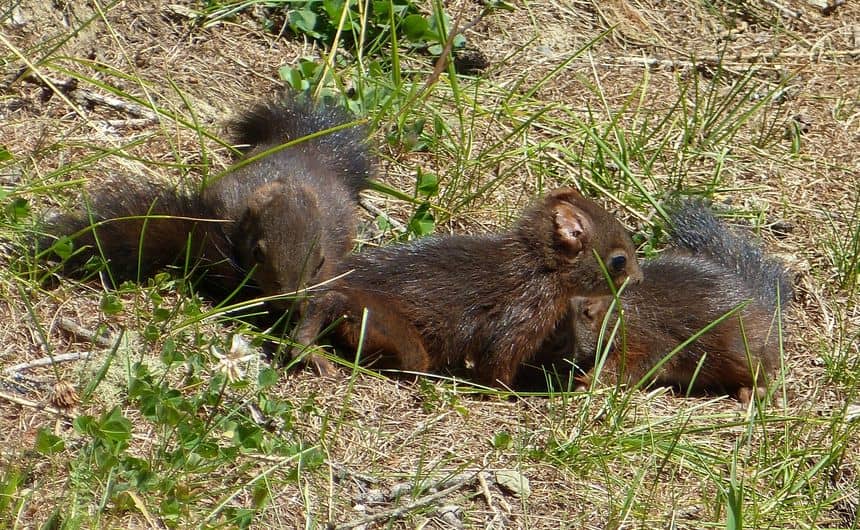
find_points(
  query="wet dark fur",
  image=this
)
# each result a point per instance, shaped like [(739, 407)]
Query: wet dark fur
[(287, 217), (489, 299), (708, 272)]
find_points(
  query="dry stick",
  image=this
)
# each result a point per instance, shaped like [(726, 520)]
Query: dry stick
[(498, 520), (70, 326), (782, 9), (47, 361), (86, 95), (485, 489), (344, 471), (33, 404), (403, 510), (394, 223), (130, 123), (742, 60)]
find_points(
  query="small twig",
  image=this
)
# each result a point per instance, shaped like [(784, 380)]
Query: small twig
[(84, 95), (130, 123), (33, 404), (485, 490), (70, 326), (344, 471), (738, 61), (395, 513), (396, 225), (47, 361), (782, 9)]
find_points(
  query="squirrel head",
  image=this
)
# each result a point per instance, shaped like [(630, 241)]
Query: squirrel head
[(279, 238), (579, 239), (585, 319)]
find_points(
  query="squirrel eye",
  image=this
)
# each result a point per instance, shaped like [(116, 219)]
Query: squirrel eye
[(258, 252), (618, 263)]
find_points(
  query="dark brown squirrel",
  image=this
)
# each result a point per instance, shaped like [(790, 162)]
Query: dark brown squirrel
[(490, 299), (284, 219), (708, 272)]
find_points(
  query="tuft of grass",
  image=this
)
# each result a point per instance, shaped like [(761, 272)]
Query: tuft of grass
[(180, 425)]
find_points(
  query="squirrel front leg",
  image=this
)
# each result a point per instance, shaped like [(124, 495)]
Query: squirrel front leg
[(314, 318)]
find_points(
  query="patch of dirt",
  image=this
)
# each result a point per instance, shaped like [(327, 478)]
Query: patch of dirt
[(630, 60)]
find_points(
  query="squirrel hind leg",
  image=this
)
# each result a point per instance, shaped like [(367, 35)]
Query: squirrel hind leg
[(388, 334)]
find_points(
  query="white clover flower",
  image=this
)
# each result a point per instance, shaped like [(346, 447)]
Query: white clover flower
[(230, 363)]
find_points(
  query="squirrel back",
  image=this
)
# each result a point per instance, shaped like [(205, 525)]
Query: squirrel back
[(488, 299)]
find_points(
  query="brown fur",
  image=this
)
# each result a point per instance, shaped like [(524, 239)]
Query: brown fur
[(489, 299), (710, 272), (276, 223)]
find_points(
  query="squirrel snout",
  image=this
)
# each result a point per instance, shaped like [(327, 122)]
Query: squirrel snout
[(635, 276)]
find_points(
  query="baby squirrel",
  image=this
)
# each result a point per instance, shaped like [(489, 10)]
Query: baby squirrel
[(284, 219), (490, 299), (708, 271)]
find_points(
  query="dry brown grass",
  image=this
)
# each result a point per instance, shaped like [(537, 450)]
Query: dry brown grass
[(593, 461)]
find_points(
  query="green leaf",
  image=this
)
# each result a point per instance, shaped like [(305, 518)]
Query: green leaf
[(422, 222), (85, 425), (260, 494), (304, 21), (502, 440), (110, 304), (115, 427), (169, 353), (18, 209), (428, 183), (5, 154), (161, 314), (267, 378), (47, 443), (414, 27), (151, 332), (63, 247)]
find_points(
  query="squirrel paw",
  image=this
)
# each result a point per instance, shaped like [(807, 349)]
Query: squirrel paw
[(582, 382), (745, 394), (322, 366)]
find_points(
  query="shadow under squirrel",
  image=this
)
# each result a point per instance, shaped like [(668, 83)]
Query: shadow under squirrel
[(487, 299), (284, 219), (708, 272)]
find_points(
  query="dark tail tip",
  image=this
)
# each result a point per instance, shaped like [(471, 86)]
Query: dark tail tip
[(294, 116), (696, 228)]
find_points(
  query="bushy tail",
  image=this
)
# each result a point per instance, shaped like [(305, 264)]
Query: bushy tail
[(136, 227), (696, 229), (293, 117)]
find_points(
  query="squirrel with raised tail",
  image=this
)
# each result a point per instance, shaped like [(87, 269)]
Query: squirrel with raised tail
[(274, 224), (708, 272), (490, 300)]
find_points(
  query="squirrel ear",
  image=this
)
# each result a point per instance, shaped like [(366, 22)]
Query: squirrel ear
[(572, 227)]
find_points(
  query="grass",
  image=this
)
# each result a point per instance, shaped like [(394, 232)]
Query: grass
[(179, 425)]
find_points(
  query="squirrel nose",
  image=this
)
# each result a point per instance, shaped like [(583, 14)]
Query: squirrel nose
[(635, 276)]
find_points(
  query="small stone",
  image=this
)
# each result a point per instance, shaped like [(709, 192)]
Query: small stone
[(513, 482), (452, 515)]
